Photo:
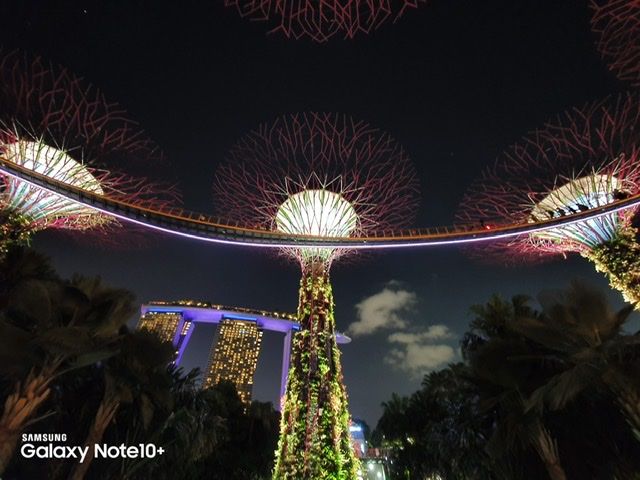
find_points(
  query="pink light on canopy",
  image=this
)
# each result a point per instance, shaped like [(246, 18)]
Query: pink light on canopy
[(317, 174), (616, 24), (56, 124), (583, 160), (322, 20)]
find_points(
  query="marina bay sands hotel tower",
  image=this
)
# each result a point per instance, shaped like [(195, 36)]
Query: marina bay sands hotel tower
[(234, 357)]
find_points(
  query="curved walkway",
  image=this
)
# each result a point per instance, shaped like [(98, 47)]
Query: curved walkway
[(203, 227)]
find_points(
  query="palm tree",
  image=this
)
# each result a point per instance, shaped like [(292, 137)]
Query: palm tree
[(47, 328), (393, 420), (438, 432), (493, 320), (137, 373), (456, 429), (190, 431), (585, 340), (18, 267), (502, 363), (262, 436)]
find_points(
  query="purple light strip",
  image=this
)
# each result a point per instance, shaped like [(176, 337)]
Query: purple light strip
[(396, 242)]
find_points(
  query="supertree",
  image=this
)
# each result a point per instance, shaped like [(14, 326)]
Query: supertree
[(585, 158), (320, 21), (326, 175), (617, 26), (55, 124)]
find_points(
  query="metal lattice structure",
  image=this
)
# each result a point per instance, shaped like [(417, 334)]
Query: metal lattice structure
[(616, 24), (320, 21), (585, 158), (51, 101), (55, 124), (357, 172), (582, 160), (319, 174)]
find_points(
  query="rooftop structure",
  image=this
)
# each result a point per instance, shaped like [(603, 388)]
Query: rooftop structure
[(177, 320)]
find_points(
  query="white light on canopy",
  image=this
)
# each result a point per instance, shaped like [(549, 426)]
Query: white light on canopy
[(582, 194), (317, 212), (37, 204)]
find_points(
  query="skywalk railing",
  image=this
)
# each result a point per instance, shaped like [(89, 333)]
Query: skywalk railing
[(204, 227)]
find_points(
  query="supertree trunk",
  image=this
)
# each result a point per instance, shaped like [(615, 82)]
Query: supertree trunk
[(314, 431), (619, 260)]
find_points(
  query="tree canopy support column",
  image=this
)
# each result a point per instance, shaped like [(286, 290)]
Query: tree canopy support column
[(314, 438)]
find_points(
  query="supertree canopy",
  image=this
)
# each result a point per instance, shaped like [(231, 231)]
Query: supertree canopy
[(54, 124), (64, 108), (320, 21), (617, 26), (327, 175), (581, 160)]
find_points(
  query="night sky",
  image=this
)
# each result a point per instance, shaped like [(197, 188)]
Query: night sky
[(455, 82)]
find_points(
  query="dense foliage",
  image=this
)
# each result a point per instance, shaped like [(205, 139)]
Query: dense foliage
[(549, 393), (69, 364), (544, 391), (14, 230), (619, 259), (314, 433)]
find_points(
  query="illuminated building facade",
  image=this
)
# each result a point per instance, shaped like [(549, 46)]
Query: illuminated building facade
[(234, 356), (181, 317), (169, 327), (358, 440)]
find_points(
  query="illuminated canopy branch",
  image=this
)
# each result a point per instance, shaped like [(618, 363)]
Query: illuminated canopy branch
[(43, 209), (586, 158), (53, 102), (578, 195), (40, 209), (617, 26), (56, 124), (355, 178), (317, 212), (321, 20)]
